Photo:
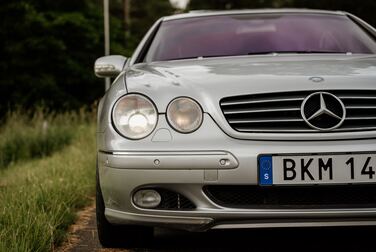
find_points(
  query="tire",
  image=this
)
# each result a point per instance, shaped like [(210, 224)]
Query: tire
[(119, 236)]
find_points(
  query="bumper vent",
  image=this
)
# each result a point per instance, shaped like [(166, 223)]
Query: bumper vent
[(174, 201), (280, 112), (316, 197)]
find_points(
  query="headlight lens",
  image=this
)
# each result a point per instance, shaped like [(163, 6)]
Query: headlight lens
[(184, 115), (134, 116)]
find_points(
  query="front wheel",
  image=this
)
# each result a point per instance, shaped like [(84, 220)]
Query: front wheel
[(115, 236)]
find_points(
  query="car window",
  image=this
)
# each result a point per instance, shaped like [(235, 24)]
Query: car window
[(234, 35)]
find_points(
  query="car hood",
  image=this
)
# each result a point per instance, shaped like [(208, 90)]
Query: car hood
[(210, 80)]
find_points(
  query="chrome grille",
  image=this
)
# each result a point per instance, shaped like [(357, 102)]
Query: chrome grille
[(280, 112)]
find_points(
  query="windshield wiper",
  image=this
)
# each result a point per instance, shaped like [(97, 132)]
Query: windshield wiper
[(207, 56), (297, 52), (261, 53)]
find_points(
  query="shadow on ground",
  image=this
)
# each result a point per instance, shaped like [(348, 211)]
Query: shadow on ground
[(317, 239), (292, 239)]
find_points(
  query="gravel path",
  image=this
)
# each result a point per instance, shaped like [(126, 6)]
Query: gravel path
[(84, 238), (83, 235)]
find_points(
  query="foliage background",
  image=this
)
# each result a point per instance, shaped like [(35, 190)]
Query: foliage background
[(47, 48)]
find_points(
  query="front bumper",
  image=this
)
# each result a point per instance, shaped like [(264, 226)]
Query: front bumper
[(239, 220), (185, 163)]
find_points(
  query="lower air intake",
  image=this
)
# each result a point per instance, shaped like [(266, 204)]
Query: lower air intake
[(321, 197), (174, 201)]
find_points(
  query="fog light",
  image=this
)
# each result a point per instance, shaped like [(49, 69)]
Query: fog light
[(147, 198)]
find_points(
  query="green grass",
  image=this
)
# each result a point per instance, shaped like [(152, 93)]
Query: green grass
[(39, 197), (25, 137)]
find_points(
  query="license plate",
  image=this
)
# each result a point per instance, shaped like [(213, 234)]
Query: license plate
[(317, 169)]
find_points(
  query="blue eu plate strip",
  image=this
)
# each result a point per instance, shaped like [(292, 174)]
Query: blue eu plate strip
[(266, 170)]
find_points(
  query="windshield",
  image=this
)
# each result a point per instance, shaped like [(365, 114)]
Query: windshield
[(250, 34)]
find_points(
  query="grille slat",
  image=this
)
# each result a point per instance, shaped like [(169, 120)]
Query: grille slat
[(361, 118), (361, 107), (261, 101), (357, 98), (357, 129), (273, 130), (280, 112), (266, 120), (265, 110)]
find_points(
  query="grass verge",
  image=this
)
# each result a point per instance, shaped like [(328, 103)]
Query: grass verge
[(39, 198), (25, 137)]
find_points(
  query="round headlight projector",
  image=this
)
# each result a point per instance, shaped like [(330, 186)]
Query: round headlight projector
[(134, 116), (147, 198), (184, 115)]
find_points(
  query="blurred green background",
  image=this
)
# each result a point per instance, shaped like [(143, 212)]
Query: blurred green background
[(48, 47), (47, 95)]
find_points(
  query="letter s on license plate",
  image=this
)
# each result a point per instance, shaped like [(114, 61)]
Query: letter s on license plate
[(317, 169)]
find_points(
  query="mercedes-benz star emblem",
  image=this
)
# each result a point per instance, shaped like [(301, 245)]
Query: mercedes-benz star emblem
[(323, 111)]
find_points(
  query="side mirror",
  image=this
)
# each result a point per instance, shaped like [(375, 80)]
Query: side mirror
[(109, 66)]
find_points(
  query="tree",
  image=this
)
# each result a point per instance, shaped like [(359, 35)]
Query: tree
[(363, 8), (142, 15), (48, 49), (47, 52)]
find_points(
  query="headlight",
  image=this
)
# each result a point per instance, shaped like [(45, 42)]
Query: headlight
[(184, 115), (134, 116)]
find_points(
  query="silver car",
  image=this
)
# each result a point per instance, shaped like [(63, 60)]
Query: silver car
[(239, 119)]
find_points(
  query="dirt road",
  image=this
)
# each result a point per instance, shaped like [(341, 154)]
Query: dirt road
[(84, 238)]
